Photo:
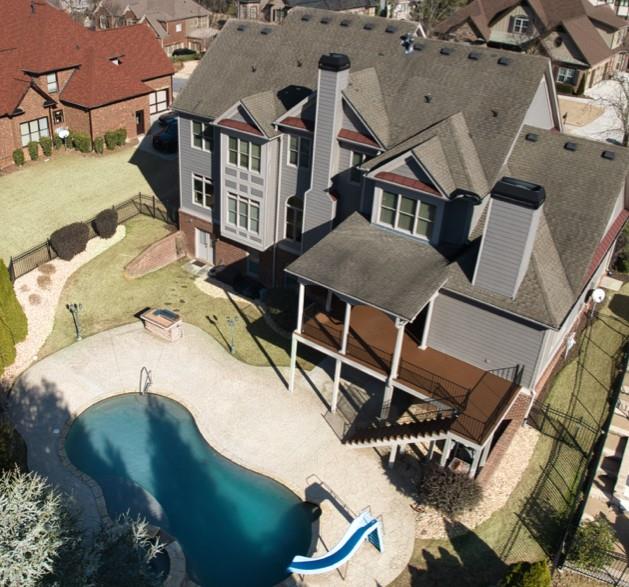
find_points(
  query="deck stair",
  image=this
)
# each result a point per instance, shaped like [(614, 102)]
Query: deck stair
[(402, 431)]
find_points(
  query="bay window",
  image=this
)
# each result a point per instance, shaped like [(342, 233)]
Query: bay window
[(244, 154), (243, 212)]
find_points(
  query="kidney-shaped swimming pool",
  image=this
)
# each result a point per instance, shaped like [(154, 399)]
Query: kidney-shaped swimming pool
[(236, 527)]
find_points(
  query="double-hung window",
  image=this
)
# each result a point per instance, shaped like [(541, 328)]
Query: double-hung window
[(357, 160), (202, 135), (567, 75), (51, 83), (34, 130), (294, 218), (202, 191), (158, 101), (243, 213), (407, 214), (520, 25), (299, 151), (244, 154)]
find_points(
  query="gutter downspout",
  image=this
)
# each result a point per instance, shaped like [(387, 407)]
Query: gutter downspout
[(277, 207)]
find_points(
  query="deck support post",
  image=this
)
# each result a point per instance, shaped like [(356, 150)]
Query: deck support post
[(386, 401), (293, 363), (328, 301), (346, 321), (486, 451), (424, 342), (300, 307), (400, 325), (393, 454), (445, 453), (431, 450), (337, 381), (477, 456)]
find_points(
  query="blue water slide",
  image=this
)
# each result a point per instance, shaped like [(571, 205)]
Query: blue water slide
[(364, 526)]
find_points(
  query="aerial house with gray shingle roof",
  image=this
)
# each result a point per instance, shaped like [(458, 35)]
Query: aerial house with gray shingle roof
[(444, 235)]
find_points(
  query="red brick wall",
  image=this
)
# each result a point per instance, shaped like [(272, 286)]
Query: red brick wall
[(516, 414), (173, 35), (76, 120), (157, 255), (119, 115), (187, 224), (7, 142)]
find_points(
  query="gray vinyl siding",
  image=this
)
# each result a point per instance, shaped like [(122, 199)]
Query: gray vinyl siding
[(319, 206), (193, 160), (540, 113), (350, 191), (457, 218), (484, 337), (506, 247)]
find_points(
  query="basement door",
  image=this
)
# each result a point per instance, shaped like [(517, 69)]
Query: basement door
[(204, 250)]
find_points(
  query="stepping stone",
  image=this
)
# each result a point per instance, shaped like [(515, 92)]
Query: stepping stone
[(611, 283)]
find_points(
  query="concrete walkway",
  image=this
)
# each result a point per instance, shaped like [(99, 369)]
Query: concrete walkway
[(244, 412)]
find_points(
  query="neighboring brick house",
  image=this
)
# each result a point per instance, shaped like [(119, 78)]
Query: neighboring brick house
[(586, 43), (276, 10), (57, 74), (620, 7), (177, 24), (422, 198)]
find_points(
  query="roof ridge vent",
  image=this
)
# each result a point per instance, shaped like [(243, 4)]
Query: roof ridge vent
[(570, 146), (266, 31), (428, 98), (446, 50), (474, 55), (325, 20), (532, 137), (345, 23), (504, 61), (368, 26), (609, 155), (306, 17), (390, 29), (241, 27)]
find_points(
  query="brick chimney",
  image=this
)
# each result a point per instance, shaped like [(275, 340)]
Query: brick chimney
[(320, 205), (510, 229)]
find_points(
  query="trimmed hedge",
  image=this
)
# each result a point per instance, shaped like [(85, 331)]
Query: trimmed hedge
[(106, 222), (81, 142), (46, 146), (58, 142), (121, 136), (111, 139), (527, 574), (18, 157), (447, 491), (99, 145), (70, 240), (33, 150), (10, 308)]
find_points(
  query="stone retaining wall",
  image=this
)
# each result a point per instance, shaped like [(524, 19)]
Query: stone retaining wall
[(157, 255)]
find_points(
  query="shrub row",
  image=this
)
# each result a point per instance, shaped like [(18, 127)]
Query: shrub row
[(115, 138), (13, 323)]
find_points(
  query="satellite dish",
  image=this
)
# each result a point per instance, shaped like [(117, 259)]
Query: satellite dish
[(598, 295), (63, 133)]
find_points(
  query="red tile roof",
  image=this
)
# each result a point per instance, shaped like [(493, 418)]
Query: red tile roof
[(239, 125), (407, 182), (300, 123), (38, 38), (608, 240), (356, 137)]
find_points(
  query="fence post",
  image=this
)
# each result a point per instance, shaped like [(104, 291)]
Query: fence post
[(154, 213), (11, 270)]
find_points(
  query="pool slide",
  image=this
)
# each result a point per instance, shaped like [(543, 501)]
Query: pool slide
[(363, 526)]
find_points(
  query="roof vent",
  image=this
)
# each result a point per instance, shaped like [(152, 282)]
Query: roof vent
[(428, 98), (504, 61), (609, 155), (390, 29), (368, 26), (305, 18), (446, 50), (570, 146), (266, 31), (474, 55), (418, 46), (241, 28), (345, 23), (532, 137), (325, 20)]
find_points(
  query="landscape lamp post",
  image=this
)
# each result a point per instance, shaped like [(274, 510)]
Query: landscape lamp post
[(74, 310), (231, 322)]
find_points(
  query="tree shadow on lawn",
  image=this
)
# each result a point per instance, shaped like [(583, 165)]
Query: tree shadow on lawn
[(162, 175), (619, 305)]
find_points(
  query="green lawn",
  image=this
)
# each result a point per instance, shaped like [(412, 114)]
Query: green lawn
[(531, 522), (45, 195), (110, 299)]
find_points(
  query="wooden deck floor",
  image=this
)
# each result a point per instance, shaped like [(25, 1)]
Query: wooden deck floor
[(481, 397)]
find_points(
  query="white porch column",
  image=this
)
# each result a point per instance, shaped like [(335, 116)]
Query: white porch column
[(300, 307), (393, 454), (337, 381), (475, 462), (486, 451), (348, 315), (293, 363), (424, 342), (328, 301), (431, 450), (386, 401), (445, 453), (395, 364)]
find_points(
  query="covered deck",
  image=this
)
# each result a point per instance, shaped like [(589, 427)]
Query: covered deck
[(481, 397)]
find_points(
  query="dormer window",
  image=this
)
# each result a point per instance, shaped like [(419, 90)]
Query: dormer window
[(520, 25), (115, 61), (407, 214), (51, 83)]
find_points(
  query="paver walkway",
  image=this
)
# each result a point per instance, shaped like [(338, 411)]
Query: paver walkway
[(244, 412)]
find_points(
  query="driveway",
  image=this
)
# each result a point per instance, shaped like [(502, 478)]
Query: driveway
[(180, 79), (244, 412), (70, 187)]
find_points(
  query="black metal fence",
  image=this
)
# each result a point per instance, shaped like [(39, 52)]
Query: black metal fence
[(615, 572), (147, 205)]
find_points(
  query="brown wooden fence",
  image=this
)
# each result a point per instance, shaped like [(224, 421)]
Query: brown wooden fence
[(147, 205)]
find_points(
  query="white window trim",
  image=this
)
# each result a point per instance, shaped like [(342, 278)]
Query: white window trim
[(178, 27), (517, 23), (55, 83), (364, 158), (573, 76), (154, 102), (249, 156), (205, 180), (38, 132), (288, 207), (203, 139), (299, 139), (240, 198)]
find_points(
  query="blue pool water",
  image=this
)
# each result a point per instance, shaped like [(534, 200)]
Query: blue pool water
[(236, 528)]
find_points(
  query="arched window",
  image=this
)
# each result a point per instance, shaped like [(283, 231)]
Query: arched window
[(294, 218)]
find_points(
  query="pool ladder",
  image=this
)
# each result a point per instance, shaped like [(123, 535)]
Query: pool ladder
[(143, 388)]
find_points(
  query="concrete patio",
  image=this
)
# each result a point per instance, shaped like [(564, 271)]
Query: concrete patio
[(244, 412)]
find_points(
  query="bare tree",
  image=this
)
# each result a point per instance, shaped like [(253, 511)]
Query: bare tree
[(431, 12), (618, 102)]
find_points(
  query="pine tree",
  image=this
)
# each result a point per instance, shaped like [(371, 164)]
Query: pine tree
[(11, 312)]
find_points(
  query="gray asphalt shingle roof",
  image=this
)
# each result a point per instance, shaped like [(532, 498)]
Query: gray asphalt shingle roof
[(387, 87), (374, 265)]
